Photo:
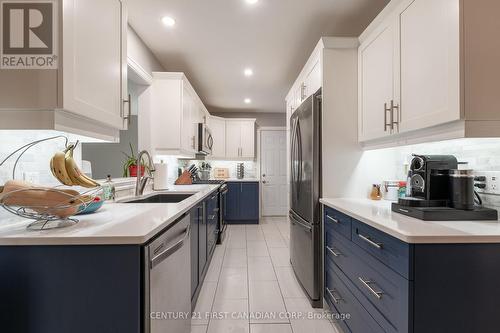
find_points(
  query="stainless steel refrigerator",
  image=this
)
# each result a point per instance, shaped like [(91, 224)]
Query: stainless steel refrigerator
[(305, 191)]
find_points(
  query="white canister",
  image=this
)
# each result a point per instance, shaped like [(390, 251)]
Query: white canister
[(160, 176), (390, 190)]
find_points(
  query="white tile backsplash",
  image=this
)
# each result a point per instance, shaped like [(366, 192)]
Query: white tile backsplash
[(482, 154), (34, 165), (250, 167)]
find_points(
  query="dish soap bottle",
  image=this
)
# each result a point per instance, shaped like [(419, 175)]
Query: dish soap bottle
[(108, 189)]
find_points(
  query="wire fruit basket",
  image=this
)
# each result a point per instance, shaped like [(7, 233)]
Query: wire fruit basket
[(49, 207), (48, 214)]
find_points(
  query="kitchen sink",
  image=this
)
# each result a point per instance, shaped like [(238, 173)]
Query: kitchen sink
[(158, 198)]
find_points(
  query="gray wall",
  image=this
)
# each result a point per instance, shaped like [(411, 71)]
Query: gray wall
[(140, 53), (263, 119), (107, 158)]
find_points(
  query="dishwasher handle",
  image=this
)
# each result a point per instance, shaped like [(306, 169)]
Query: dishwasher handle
[(156, 260)]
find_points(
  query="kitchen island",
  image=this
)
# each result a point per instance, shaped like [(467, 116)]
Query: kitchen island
[(394, 273), (107, 272)]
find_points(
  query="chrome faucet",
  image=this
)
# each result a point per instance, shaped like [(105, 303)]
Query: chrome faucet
[(142, 181)]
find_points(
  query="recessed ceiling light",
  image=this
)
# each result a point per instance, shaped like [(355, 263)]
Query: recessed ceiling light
[(168, 21), (248, 72), (247, 100), (252, 2)]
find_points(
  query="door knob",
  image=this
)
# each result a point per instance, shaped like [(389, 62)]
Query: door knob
[(263, 175), (263, 182)]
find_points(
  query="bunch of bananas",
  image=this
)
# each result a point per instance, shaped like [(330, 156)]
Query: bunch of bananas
[(65, 169)]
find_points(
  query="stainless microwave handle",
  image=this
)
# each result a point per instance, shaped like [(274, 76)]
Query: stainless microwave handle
[(156, 260)]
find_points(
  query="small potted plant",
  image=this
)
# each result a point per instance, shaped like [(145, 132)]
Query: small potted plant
[(130, 164)]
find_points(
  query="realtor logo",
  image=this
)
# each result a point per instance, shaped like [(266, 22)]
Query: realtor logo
[(28, 35)]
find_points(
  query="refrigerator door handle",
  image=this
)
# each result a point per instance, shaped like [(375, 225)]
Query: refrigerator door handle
[(294, 220), (299, 151), (292, 154)]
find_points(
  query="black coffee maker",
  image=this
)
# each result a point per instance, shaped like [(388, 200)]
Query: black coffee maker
[(431, 195), (429, 180)]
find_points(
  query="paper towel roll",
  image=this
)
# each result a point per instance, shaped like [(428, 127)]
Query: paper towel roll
[(160, 176)]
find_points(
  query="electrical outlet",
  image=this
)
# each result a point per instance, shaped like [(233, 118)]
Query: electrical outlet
[(492, 182)]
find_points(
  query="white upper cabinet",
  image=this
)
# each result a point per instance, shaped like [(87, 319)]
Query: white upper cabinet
[(247, 139), (430, 64), (87, 93), (172, 112), (94, 81), (377, 74), (240, 139), (217, 126)]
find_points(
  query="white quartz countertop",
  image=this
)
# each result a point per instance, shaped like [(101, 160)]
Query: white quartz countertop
[(378, 214), (114, 223)]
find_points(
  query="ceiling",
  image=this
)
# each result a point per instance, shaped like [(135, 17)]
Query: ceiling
[(213, 41)]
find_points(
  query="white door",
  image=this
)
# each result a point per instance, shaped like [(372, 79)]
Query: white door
[(430, 64), (247, 139), (94, 56), (233, 138), (273, 173), (377, 63)]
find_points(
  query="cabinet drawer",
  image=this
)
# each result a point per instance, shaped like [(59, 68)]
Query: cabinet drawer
[(389, 250), (383, 292), (338, 296), (338, 221)]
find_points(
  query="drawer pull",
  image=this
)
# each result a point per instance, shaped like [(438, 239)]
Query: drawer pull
[(336, 254), (371, 242), (335, 299), (366, 283), (332, 219)]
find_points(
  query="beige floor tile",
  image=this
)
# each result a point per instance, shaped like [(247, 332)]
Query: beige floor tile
[(233, 283), (260, 269), (235, 258), (257, 248), (280, 256), (254, 235), (266, 301), (228, 326), (288, 282), (270, 328), (313, 326)]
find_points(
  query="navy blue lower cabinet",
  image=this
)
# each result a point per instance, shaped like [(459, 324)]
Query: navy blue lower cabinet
[(77, 289), (386, 285), (242, 204)]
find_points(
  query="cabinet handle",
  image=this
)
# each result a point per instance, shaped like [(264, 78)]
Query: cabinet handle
[(394, 107), (332, 219), (193, 139), (129, 110), (367, 284), (335, 299), (386, 109), (371, 242), (335, 254)]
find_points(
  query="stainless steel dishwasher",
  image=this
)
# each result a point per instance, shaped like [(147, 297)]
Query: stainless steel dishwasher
[(167, 280)]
